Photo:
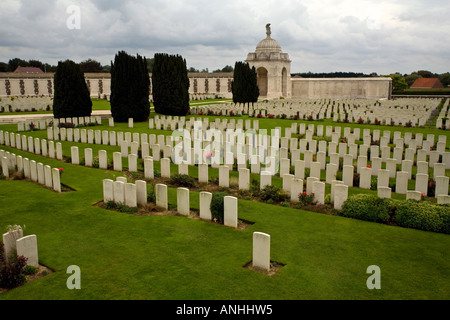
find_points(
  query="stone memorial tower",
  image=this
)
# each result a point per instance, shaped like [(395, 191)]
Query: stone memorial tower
[(273, 68)]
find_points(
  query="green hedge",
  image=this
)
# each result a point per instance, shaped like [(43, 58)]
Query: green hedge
[(422, 215), (367, 207), (420, 92)]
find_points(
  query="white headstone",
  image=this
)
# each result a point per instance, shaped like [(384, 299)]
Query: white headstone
[(261, 251)]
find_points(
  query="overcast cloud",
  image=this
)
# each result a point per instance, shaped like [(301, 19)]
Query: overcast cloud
[(319, 36)]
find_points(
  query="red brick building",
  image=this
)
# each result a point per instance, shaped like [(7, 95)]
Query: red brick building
[(427, 83)]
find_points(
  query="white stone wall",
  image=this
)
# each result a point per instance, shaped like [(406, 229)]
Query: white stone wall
[(341, 88), (13, 104)]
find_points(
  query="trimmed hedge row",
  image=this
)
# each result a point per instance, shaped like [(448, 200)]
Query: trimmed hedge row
[(421, 215)]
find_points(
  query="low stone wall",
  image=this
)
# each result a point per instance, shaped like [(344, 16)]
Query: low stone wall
[(343, 88), (31, 103)]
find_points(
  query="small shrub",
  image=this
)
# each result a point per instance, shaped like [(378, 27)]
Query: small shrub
[(123, 208), (431, 188), (374, 183), (12, 272), (273, 193), (356, 179), (306, 199), (151, 196), (110, 205), (217, 206), (29, 270)]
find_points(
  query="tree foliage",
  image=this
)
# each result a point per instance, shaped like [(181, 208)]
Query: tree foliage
[(90, 65), (71, 97), (398, 82), (170, 84), (245, 84), (130, 88)]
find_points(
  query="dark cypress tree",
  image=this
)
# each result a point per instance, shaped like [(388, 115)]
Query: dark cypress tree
[(71, 97), (245, 84), (130, 88), (170, 85)]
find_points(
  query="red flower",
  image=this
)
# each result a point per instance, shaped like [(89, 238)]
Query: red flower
[(423, 195), (369, 166)]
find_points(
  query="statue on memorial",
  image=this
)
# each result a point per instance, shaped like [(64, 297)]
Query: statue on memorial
[(268, 32)]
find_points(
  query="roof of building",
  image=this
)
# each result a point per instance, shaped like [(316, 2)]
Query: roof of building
[(28, 70), (427, 83)]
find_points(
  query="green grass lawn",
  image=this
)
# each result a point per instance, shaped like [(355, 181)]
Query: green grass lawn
[(124, 256)]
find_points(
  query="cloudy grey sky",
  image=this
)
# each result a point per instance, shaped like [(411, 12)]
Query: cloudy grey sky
[(319, 36)]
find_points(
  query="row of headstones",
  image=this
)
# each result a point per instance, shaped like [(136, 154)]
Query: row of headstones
[(445, 113), (28, 124), (300, 165), (14, 241), (402, 177), (417, 116), (285, 163), (106, 137), (103, 137), (34, 145), (35, 171), (134, 195), (366, 173), (293, 143)]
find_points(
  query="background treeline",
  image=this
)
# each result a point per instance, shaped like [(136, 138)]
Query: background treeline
[(87, 66)]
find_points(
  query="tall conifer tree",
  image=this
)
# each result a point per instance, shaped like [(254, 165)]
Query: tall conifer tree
[(170, 85), (130, 88), (245, 84), (71, 97)]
